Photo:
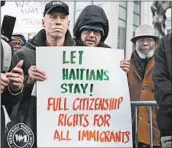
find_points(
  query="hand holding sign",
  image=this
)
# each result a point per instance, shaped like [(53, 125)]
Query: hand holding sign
[(125, 65), (36, 73)]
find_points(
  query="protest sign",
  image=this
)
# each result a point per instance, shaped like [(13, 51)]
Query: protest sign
[(84, 102)]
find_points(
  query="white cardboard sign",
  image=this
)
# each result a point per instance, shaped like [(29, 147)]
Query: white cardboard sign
[(84, 102)]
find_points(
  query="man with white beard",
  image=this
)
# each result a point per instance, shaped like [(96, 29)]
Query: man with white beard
[(141, 85)]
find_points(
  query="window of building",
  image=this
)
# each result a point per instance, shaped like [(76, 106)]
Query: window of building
[(136, 19), (122, 24), (137, 7), (121, 35), (122, 13), (136, 15), (123, 4)]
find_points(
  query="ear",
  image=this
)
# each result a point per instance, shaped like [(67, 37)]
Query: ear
[(68, 23), (43, 23)]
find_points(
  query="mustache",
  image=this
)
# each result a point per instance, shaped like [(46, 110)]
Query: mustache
[(146, 49), (142, 47), (144, 55)]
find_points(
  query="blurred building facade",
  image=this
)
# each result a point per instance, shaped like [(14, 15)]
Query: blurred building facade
[(124, 17)]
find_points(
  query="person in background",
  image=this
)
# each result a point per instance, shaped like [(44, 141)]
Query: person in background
[(92, 28), (11, 84), (17, 41), (162, 77), (55, 33), (141, 85)]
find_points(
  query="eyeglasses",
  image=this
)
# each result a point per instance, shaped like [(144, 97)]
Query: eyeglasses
[(145, 39), (89, 31)]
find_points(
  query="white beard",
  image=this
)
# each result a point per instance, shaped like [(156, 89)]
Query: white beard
[(145, 55)]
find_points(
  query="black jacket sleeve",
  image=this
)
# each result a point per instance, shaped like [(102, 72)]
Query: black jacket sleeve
[(28, 55), (8, 99), (162, 77), (162, 74)]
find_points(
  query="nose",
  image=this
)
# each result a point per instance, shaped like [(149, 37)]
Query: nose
[(58, 20), (92, 33), (145, 43)]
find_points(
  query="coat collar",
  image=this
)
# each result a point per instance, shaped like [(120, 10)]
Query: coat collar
[(149, 68)]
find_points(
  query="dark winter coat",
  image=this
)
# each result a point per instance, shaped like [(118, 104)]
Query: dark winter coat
[(7, 99), (27, 108), (162, 77)]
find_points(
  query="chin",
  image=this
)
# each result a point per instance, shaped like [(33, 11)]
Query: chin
[(91, 45), (58, 35)]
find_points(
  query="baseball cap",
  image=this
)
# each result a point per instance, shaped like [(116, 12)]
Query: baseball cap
[(55, 4)]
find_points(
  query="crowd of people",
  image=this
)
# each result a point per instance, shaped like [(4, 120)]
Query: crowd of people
[(149, 71)]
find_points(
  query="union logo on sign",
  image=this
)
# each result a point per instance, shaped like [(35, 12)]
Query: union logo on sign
[(20, 136)]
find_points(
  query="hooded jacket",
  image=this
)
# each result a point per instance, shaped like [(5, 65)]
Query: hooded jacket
[(90, 15)]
